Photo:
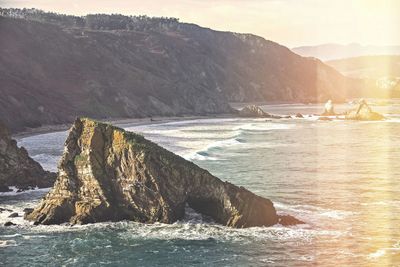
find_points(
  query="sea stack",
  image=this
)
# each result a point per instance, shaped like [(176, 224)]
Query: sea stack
[(17, 168), (329, 109), (108, 174), (363, 112), (253, 111)]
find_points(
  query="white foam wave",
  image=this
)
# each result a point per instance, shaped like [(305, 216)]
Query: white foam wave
[(396, 120), (8, 243), (313, 211), (377, 254), (264, 126), (382, 252), (205, 153), (14, 191), (199, 156), (204, 231), (193, 227), (394, 203), (225, 143)]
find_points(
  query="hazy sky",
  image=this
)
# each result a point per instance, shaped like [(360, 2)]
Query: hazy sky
[(289, 22)]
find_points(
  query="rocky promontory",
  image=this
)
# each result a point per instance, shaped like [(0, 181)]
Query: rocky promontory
[(17, 168), (108, 174), (253, 111)]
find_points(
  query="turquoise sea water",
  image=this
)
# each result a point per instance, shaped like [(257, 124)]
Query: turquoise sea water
[(340, 177)]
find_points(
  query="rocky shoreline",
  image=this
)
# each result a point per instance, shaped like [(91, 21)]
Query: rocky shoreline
[(17, 168), (66, 204), (115, 121)]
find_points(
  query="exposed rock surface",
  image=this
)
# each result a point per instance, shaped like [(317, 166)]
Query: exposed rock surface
[(3, 209), (329, 109), (288, 220), (254, 111), (17, 168), (363, 113), (108, 174), (299, 115), (105, 66)]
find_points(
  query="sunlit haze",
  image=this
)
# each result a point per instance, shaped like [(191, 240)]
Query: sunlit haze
[(289, 22)]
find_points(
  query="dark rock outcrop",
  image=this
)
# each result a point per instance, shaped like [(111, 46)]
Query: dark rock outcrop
[(3, 209), (108, 174), (9, 224), (17, 168), (56, 67), (363, 113), (288, 220), (253, 111), (27, 211), (4, 188), (299, 115)]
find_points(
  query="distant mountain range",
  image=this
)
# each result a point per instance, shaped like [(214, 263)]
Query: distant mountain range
[(384, 71), (368, 67), (327, 52), (56, 67)]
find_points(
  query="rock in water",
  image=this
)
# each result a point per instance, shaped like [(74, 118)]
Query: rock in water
[(363, 113), (299, 115), (255, 111), (287, 220), (108, 174), (17, 168), (329, 109)]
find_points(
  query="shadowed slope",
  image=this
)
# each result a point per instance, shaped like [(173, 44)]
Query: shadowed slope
[(54, 68)]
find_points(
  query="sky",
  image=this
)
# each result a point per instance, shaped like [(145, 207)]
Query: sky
[(289, 22)]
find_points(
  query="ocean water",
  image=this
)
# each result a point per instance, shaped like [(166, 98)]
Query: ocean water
[(340, 177)]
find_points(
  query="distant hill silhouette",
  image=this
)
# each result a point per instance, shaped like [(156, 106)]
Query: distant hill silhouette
[(326, 52), (384, 71)]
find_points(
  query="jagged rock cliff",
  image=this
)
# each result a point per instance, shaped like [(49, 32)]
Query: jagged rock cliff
[(17, 168), (54, 68), (108, 174), (363, 112)]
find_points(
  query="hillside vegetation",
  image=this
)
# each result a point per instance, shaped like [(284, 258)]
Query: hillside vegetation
[(55, 67)]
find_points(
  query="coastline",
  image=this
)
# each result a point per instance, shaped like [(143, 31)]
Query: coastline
[(117, 122)]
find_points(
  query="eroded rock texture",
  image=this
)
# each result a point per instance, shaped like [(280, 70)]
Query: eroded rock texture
[(253, 111), (17, 168), (108, 174)]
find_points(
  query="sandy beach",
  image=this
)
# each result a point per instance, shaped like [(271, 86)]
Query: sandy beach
[(117, 122)]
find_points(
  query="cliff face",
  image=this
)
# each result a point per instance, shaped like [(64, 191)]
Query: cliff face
[(107, 174), (17, 168), (54, 68)]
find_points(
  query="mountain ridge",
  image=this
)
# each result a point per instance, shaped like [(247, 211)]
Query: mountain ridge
[(333, 51), (57, 67)]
